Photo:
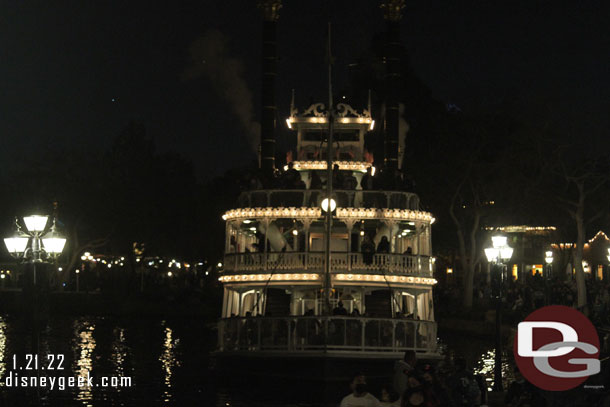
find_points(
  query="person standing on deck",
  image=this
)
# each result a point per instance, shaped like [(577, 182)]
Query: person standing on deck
[(368, 250)]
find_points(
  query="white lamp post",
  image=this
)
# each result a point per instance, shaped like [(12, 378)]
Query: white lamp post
[(548, 259), (77, 272), (328, 206), (498, 254), (35, 245)]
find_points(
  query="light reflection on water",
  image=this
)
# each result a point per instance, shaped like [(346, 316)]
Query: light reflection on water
[(120, 351), (485, 367), (85, 345), (2, 349), (168, 363), (168, 360), (479, 354)]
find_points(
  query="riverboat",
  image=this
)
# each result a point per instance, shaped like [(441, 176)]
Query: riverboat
[(327, 267)]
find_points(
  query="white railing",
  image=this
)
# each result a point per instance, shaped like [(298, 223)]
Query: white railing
[(340, 262), (295, 334), (344, 198)]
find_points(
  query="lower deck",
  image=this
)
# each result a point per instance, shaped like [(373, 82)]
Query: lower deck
[(337, 336)]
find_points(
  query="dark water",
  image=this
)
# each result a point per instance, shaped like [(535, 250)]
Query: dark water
[(167, 360)]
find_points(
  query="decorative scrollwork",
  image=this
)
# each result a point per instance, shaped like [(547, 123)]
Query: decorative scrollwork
[(343, 110), (293, 111), (317, 110)]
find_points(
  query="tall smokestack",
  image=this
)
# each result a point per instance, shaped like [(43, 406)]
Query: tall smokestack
[(271, 14), (392, 15)]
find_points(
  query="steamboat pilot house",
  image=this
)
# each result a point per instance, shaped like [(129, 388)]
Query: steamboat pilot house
[(381, 265)]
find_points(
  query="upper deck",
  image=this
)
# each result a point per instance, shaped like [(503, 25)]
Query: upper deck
[(349, 130), (275, 234), (380, 257), (308, 198)]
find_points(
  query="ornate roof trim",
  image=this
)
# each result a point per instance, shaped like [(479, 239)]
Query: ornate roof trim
[(320, 110), (316, 213)]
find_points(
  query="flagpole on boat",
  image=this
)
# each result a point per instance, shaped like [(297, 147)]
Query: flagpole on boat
[(329, 182)]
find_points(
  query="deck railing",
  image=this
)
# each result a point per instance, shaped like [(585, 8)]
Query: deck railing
[(340, 262), (296, 334), (344, 198)]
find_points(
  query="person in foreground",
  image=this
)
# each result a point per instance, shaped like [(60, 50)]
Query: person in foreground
[(402, 370), (360, 397)]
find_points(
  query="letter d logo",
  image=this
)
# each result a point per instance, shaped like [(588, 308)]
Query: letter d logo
[(526, 338)]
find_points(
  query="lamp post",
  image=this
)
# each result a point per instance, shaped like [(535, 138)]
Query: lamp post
[(548, 258), (36, 244), (328, 206), (498, 254)]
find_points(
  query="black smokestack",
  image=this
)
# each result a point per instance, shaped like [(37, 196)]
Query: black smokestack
[(270, 10), (392, 15)]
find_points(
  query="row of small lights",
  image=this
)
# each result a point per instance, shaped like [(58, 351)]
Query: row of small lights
[(172, 263), (513, 229), (321, 165), (88, 257), (306, 276), (377, 277), (4, 273), (261, 277), (305, 212), (360, 120)]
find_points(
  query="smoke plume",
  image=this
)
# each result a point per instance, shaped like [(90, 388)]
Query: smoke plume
[(210, 58), (403, 129)]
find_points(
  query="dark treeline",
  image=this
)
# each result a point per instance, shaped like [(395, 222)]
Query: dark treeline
[(505, 163), (107, 200), (499, 165)]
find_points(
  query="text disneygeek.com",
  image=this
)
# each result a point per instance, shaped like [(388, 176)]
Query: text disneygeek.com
[(15, 380)]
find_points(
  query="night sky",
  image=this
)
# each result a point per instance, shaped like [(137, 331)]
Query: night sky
[(73, 74)]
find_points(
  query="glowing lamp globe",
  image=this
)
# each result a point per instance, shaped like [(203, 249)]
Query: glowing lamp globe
[(492, 254), (506, 253), (35, 223), (16, 244), (54, 244), (324, 205), (498, 241)]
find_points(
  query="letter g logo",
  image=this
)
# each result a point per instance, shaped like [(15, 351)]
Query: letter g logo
[(560, 335)]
